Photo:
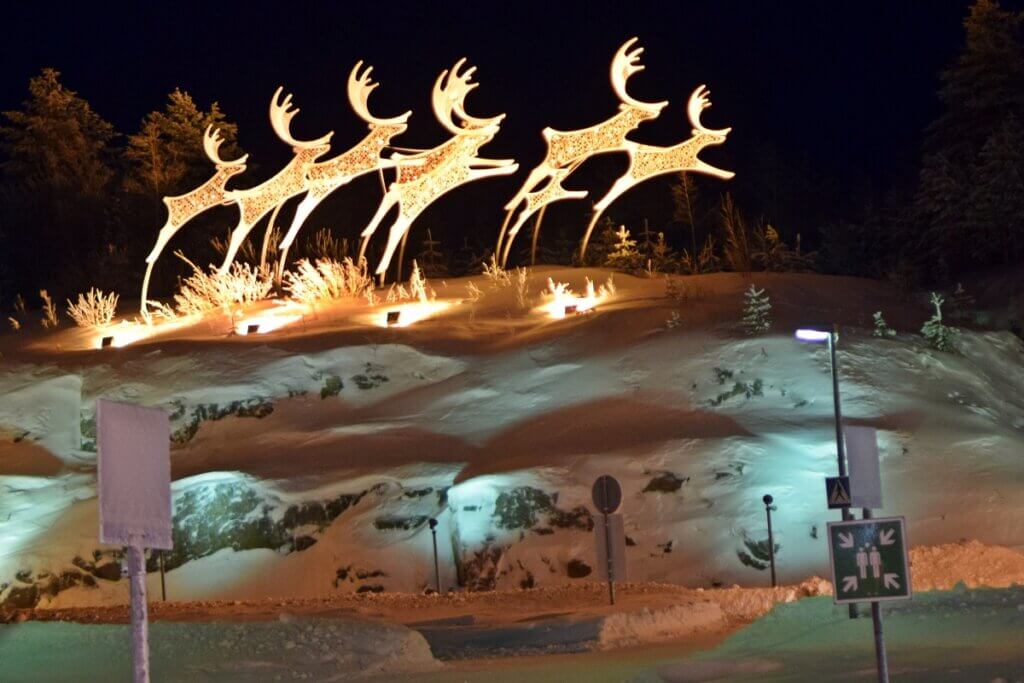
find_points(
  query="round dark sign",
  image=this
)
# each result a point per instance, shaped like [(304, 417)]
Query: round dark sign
[(607, 494)]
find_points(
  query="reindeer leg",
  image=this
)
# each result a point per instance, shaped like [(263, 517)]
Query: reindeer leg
[(238, 236), (617, 189), (387, 201), (401, 257), (536, 233), (501, 233), (163, 237), (302, 212), (523, 216), (397, 231), (266, 235)]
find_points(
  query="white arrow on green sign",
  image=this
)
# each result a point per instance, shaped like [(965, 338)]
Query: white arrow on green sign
[(869, 560)]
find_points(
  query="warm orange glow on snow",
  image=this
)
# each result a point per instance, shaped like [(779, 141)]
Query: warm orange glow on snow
[(408, 313), (268, 321), (560, 299), (127, 332)]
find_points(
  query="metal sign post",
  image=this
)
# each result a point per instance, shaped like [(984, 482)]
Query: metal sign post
[(869, 563), (437, 570), (134, 476), (771, 539), (607, 496)]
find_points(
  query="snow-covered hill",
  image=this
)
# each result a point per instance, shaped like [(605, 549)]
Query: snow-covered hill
[(307, 461)]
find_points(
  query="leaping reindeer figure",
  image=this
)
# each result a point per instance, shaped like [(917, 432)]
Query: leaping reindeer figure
[(290, 181), (327, 176), (568, 149), (183, 208), (647, 161), (424, 177)]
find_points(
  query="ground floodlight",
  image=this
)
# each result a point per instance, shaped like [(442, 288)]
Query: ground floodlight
[(252, 329), (393, 317), (106, 342)]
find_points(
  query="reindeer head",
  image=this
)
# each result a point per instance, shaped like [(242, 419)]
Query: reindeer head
[(211, 145), (359, 88), (705, 137), (448, 99), (281, 115), (626, 63)]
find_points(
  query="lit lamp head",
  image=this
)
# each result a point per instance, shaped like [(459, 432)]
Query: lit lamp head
[(107, 342), (393, 317), (814, 334), (253, 328)]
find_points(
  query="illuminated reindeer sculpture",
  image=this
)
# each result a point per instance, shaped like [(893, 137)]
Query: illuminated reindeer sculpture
[(648, 161), (183, 208), (568, 149), (327, 176), (425, 176), (270, 195)]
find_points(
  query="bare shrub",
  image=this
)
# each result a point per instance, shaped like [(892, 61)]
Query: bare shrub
[(203, 291), (93, 309), (327, 279), (49, 310)]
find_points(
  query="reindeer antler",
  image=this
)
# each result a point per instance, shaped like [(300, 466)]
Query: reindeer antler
[(281, 115), (625, 64), (449, 98), (359, 88), (211, 145), (699, 101)]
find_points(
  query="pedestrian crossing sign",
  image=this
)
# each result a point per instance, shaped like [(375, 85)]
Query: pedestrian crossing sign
[(837, 490)]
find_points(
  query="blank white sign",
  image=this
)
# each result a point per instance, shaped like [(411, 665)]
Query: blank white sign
[(134, 470), (862, 458)]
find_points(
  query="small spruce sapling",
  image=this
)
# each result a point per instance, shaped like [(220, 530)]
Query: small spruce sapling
[(882, 328), (624, 255), (939, 335), (756, 311), (674, 321)]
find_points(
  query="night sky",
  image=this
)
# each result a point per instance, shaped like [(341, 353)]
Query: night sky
[(840, 90)]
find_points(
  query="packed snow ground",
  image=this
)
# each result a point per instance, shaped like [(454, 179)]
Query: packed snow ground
[(308, 460), (956, 635)]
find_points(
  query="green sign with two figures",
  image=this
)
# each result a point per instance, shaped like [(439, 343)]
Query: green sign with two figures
[(869, 560)]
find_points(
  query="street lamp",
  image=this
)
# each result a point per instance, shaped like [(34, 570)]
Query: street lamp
[(830, 335), (816, 335)]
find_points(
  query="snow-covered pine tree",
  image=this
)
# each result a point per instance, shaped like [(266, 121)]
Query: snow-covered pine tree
[(624, 256), (756, 311), (939, 335), (645, 243), (661, 255), (882, 328)]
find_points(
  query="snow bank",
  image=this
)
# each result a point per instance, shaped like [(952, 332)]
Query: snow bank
[(649, 626)]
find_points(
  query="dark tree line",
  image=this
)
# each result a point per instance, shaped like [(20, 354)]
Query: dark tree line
[(966, 209), (80, 203)]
